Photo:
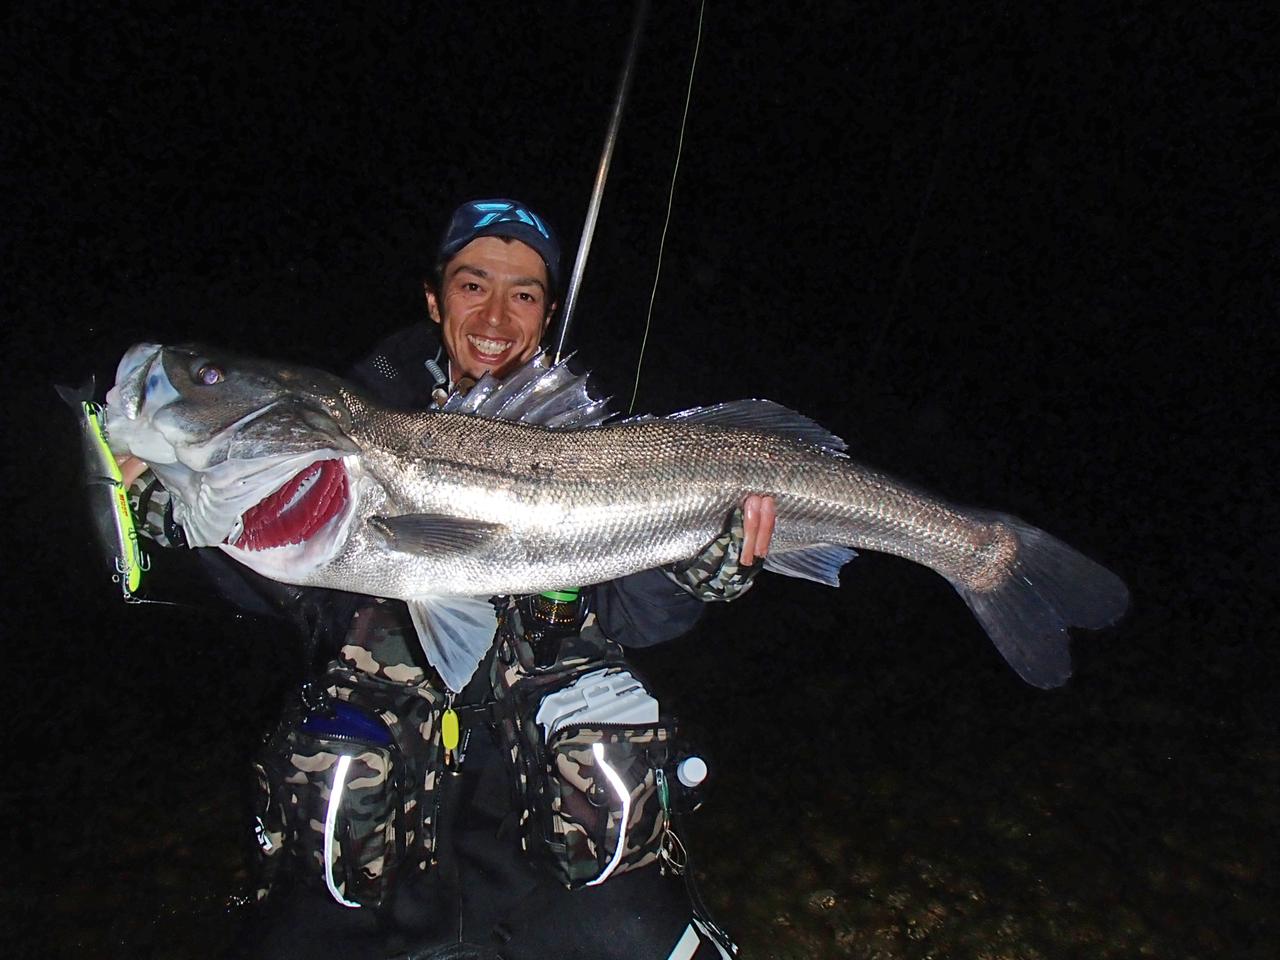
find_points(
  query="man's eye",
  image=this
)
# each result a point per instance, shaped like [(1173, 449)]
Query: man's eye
[(526, 297), (209, 375)]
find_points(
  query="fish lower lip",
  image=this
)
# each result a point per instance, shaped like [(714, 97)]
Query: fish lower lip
[(297, 510)]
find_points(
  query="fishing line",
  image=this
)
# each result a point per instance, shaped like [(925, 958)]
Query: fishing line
[(671, 193)]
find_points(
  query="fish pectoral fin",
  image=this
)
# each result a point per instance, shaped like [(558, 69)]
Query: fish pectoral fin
[(820, 562), (435, 532), (455, 633)]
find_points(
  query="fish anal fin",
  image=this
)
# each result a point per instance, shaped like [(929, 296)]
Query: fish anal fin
[(819, 562), (434, 532), (455, 633)]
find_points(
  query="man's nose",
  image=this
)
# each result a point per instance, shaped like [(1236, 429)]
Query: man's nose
[(495, 311)]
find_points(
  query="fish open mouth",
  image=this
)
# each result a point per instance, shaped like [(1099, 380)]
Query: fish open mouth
[(297, 511)]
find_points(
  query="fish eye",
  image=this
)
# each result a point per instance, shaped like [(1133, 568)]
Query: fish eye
[(209, 375)]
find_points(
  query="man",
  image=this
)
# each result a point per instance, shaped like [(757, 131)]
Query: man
[(491, 297)]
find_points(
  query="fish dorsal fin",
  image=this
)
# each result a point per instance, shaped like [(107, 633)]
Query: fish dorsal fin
[(549, 395), (765, 416), (455, 633)]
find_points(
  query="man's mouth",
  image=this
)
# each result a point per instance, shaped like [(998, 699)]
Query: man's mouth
[(488, 349), (297, 510)]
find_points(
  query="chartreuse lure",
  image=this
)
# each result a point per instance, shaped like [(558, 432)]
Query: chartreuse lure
[(108, 498)]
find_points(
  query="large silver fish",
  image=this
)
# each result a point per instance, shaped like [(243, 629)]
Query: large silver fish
[(303, 478)]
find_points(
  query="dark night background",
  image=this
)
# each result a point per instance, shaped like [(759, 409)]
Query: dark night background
[(1025, 254)]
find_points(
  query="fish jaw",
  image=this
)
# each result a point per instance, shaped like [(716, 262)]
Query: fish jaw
[(142, 389)]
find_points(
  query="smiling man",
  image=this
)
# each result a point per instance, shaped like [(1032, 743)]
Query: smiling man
[(493, 283), (493, 880), (497, 307)]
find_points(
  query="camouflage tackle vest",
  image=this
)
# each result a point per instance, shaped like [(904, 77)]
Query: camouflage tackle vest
[(348, 784)]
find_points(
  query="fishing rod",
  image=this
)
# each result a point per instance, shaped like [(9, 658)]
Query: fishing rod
[(588, 229), (602, 173)]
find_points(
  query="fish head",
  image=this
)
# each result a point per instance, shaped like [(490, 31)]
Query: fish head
[(255, 455)]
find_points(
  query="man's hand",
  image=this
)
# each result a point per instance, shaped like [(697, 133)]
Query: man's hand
[(131, 468), (726, 567), (758, 515)]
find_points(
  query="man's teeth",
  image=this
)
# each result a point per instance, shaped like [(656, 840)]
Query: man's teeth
[(488, 347)]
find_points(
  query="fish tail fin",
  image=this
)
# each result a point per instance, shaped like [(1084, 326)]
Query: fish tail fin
[(75, 397), (1050, 587)]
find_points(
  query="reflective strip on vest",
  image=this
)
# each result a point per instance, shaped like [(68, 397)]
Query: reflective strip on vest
[(624, 795), (331, 827)]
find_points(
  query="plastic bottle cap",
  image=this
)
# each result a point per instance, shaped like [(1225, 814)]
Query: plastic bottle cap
[(692, 771)]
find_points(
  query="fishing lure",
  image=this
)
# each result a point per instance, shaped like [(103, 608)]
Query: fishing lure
[(108, 497)]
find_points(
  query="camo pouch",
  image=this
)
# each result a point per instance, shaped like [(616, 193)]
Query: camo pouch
[(606, 811), (346, 785), (591, 795), (331, 802)]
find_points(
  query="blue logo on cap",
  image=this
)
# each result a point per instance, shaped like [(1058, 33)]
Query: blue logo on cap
[(508, 213)]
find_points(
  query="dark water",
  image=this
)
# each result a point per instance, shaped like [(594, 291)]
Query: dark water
[(1023, 255)]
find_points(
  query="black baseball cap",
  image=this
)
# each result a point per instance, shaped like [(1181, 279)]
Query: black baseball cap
[(502, 218)]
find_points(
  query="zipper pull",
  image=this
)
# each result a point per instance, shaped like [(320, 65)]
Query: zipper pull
[(449, 731)]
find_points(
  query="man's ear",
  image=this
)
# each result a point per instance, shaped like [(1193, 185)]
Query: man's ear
[(546, 319), (433, 306)]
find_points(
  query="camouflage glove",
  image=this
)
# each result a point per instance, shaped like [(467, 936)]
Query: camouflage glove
[(153, 512), (716, 572)]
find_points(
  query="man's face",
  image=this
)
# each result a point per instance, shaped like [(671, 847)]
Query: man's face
[(492, 307)]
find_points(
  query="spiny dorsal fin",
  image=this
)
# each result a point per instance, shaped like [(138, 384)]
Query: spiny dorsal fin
[(537, 393), (765, 416)]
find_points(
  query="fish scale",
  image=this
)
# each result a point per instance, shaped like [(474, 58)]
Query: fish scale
[(447, 505), (682, 481)]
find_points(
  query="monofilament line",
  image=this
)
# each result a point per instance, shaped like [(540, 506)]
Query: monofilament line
[(671, 194)]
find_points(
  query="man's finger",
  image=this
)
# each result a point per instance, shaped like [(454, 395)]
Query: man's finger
[(764, 535), (750, 523), (131, 468)]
